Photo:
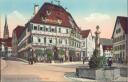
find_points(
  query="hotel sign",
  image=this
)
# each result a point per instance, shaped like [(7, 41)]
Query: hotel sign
[(52, 21)]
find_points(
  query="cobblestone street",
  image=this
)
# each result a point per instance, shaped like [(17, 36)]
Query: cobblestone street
[(19, 71)]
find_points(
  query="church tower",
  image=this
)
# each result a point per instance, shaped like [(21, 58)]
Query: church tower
[(6, 31)]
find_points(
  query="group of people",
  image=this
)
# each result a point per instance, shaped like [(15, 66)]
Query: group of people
[(109, 62), (31, 60)]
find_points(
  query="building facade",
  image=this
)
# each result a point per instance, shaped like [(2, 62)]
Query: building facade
[(106, 47), (52, 27), (87, 44), (120, 39)]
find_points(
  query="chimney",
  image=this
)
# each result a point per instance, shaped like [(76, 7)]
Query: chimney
[(36, 8)]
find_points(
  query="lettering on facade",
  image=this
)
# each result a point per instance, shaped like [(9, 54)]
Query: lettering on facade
[(52, 21)]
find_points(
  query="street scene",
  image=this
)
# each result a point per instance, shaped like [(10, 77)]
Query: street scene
[(57, 41)]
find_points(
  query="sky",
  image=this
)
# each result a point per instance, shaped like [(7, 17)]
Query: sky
[(87, 13)]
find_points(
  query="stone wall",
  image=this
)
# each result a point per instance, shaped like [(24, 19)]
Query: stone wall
[(98, 74)]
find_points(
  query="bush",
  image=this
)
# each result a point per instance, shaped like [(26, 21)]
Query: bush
[(97, 61), (94, 61), (49, 53)]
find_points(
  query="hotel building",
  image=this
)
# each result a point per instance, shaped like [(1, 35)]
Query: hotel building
[(51, 27)]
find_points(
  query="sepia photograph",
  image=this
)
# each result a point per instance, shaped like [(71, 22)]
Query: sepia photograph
[(63, 40)]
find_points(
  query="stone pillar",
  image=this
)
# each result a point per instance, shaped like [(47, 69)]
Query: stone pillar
[(97, 39)]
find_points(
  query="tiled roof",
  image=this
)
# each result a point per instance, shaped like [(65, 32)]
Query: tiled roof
[(124, 23), (51, 13), (105, 42), (18, 30), (107, 47), (8, 41), (85, 33)]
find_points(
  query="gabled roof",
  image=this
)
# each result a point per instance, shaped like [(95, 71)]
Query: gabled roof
[(124, 24), (7, 41), (18, 30), (85, 33), (52, 13)]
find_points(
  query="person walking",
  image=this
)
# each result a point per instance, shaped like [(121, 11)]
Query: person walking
[(109, 62), (84, 59)]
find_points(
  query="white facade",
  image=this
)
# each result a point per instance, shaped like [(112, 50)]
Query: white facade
[(41, 36), (5, 51), (88, 46), (119, 43)]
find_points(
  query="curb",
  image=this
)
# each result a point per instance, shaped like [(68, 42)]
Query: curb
[(76, 79), (23, 60)]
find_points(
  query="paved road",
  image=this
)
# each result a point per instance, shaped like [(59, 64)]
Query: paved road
[(18, 71)]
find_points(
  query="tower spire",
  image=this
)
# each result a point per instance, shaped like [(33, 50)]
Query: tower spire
[(6, 31)]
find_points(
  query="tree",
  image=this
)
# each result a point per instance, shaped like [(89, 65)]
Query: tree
[(72, 54), (49, 54), (61, 52), (39, 53), (94, 62), (97, 61)]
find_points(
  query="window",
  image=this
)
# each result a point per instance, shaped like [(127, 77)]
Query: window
[(46, 29), (59, 30), (35, 27), (66, 41), (118, 30), (50, 41), (41, 28), (48, 12), (67, 31), (53, 30), (39, 40), (60, 41), (45, 40)]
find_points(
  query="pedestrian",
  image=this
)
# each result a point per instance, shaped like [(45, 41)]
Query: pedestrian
[(29, 62), (109, 62), (83, 60)]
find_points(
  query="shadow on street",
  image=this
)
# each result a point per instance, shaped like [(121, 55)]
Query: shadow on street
[(14, 59), (20, 78)]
